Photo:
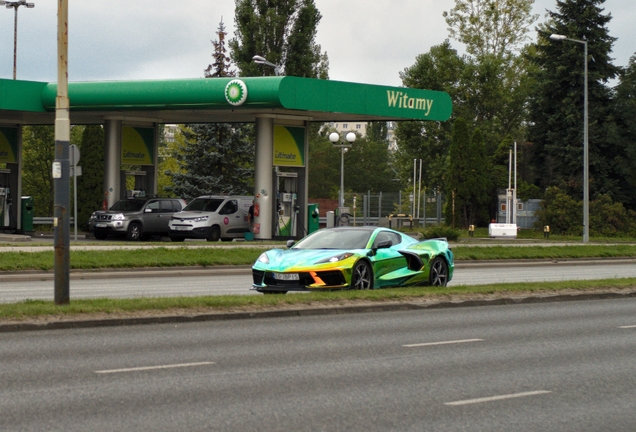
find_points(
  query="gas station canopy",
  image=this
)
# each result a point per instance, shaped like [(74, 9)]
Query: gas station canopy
[(220, 100)]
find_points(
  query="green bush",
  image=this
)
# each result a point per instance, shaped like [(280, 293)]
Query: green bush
[(438, 231)]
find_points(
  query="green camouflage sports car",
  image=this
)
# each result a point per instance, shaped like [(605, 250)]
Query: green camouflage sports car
[(366, 257)]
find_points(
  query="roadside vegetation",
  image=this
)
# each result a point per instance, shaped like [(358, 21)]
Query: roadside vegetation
[(211, 255), (40, 310)]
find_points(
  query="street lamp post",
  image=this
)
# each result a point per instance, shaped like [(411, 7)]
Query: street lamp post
[(334, 137), (586, 169), (15, 5), (262, 60)]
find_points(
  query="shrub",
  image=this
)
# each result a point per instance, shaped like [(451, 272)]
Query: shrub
[(438, 231)]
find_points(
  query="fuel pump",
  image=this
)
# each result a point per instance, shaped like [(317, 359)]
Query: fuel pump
[(287, 208), (5, 199)]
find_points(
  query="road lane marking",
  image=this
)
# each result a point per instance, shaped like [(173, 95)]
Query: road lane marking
[(496, 398), (441, 343), (144, 368), (628, 326)]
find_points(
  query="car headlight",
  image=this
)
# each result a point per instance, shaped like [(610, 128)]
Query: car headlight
[(263, 258), (119, 216), (335, 258), (201, 218), (93, 217)]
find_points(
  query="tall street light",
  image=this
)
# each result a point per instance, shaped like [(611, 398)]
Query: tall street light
[(334, 137), (586, 169), (262, 60), (15, 5)]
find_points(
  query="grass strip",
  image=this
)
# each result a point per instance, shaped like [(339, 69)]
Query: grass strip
[(215, 256), (208, 304)]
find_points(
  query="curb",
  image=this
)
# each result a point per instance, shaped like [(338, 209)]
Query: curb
[(335, 310)]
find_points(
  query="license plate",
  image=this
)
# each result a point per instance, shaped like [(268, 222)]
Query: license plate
[(286, 276), (180, 228), (101, 225)]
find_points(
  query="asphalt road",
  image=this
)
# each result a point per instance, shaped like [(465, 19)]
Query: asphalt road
[(551, 367), (237, 281)]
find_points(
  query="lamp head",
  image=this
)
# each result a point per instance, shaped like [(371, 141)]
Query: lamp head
[(557, 37), (351, 137), (258, 58), (334, 137)]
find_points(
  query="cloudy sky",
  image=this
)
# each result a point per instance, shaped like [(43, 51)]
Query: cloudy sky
[(367, 41)]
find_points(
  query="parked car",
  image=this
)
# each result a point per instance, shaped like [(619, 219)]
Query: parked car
[(136, 218), (212, 217), (366, 257)]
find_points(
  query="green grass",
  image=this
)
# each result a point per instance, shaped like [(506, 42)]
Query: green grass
[(208, 304)]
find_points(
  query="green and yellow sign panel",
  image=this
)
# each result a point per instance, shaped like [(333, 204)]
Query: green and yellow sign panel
[(289, 146), (137, 145), (8, 145)]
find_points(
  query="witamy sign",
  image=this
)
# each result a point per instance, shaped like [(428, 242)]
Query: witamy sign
[(398, 99)]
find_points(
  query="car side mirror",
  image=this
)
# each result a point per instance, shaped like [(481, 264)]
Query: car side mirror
[(290, 243), (148, 210)]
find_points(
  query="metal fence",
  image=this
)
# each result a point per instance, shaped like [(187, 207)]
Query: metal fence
[(371, 208)]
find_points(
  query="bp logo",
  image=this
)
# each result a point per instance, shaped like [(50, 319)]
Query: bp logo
[(235, 92)]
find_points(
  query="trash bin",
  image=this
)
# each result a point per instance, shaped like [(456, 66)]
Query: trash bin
[(27, 214)]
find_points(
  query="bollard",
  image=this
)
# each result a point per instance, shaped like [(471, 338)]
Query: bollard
[(471, 230), (546, 231)]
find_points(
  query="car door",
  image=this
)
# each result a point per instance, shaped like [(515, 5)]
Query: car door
[(387, 261), (232, 218), (152, 216)]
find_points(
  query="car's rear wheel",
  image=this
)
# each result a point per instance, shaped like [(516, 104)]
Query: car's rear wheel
[(438, 275), (215, 234), (362, 277), (134, 232)]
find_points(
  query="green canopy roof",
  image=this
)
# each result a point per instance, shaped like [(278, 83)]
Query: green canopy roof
[(206, 100)]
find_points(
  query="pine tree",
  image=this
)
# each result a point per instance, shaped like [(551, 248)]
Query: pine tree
[(215, 158), (220, 67), (218, 159), (556, 112)]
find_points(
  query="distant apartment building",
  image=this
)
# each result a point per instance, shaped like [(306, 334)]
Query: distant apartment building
[(361, 129)]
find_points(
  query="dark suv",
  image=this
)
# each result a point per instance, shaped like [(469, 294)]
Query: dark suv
[(137, 218)]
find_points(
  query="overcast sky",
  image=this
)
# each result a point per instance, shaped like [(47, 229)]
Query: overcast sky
[(366, 41)]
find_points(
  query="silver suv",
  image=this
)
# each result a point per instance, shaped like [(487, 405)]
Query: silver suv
[(135, 218)]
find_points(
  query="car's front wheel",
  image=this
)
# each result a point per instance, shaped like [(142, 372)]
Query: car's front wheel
[(215, 234), (438, 275), (362, 277), (99, 235), (134, 231)]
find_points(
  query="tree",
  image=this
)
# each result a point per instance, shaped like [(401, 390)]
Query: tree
[(468, 180), (283, 31), (90, 185), (38, 155), (625, 109), (490, 27), (556, 111), (220, 67), (216, 158)]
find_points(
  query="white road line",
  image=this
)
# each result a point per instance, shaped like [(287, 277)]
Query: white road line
[(144, 368), (442, 343), (496, 398), (629, 326)]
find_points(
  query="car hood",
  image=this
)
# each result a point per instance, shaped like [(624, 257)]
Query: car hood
[(191, 214), (282, 259)]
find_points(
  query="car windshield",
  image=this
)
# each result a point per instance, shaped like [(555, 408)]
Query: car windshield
[(128, 205), (335, 239), (204, 204)]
